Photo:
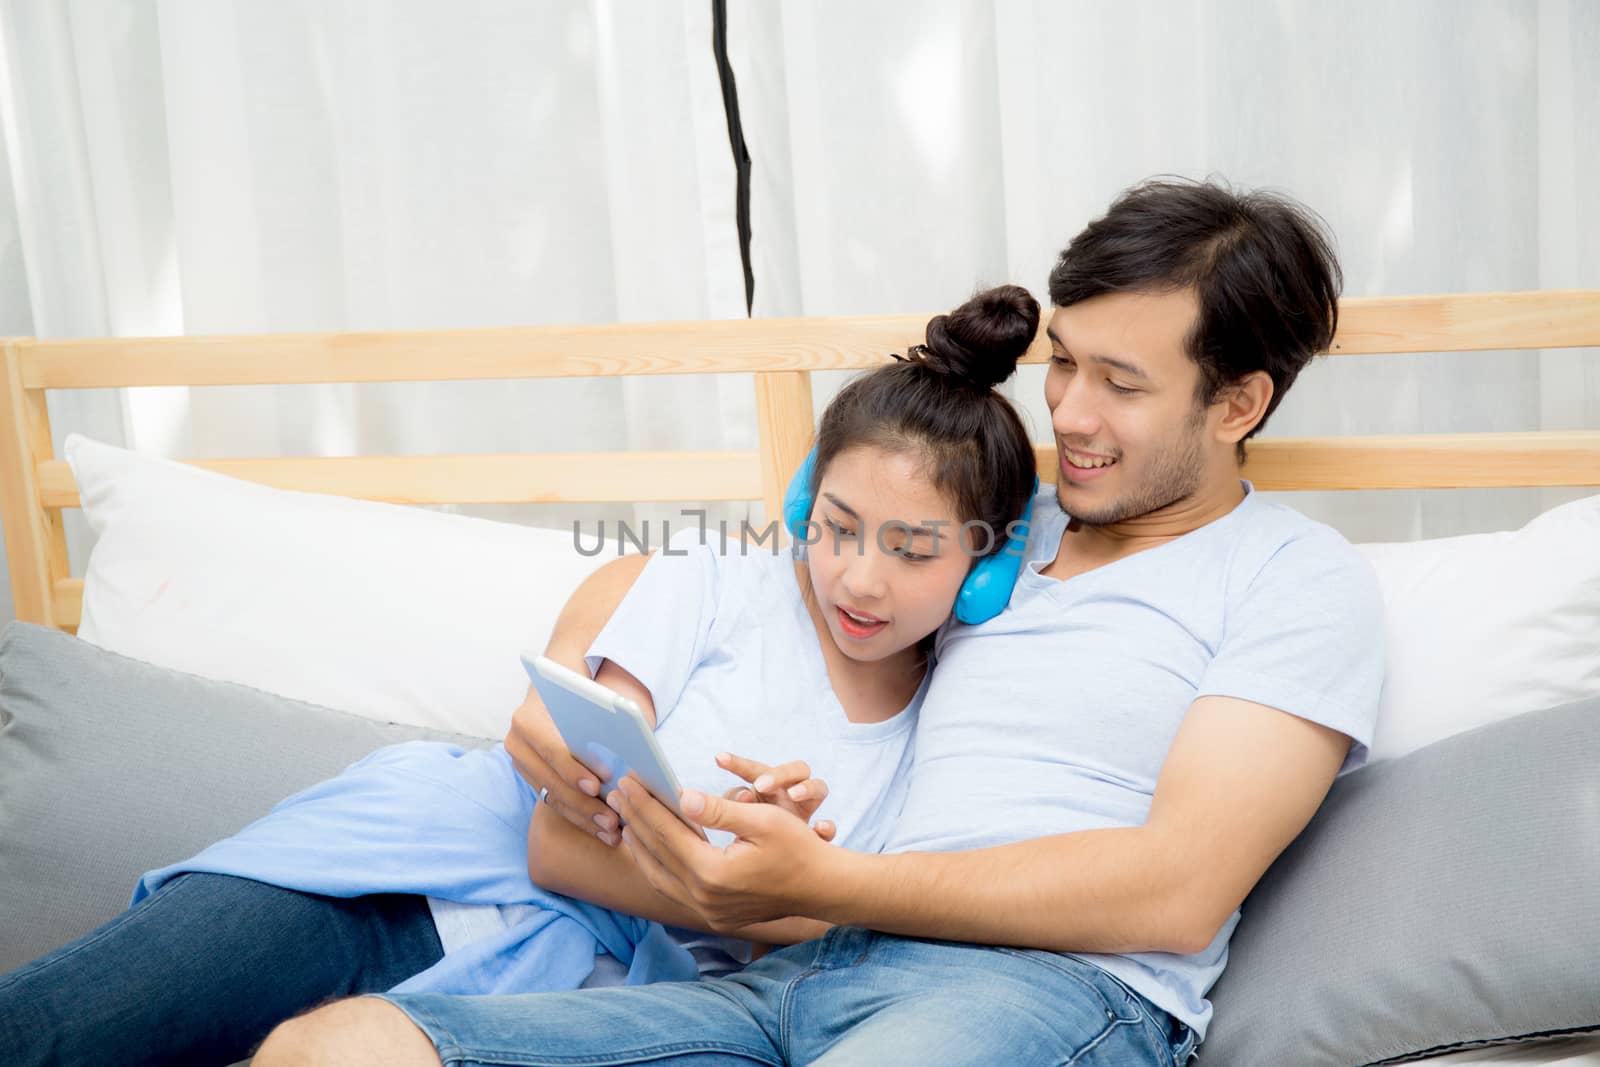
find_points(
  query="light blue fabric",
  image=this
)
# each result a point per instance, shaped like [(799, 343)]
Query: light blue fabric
[(1057, 716), (447, 822)]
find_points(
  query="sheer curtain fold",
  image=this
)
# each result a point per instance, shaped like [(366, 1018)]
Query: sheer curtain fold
[(176, 166)]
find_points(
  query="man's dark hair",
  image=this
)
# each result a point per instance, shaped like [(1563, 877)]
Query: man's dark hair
[(1261, 264)]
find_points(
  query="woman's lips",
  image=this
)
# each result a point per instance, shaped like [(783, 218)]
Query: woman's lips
[(855, 628)]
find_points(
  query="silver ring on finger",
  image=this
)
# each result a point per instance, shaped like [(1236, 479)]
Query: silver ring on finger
[(544, 795)]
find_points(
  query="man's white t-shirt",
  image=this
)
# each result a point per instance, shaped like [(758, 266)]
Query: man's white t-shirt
[(1057, 715)]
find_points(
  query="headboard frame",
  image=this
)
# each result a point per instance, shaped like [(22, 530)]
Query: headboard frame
[(780, 354)]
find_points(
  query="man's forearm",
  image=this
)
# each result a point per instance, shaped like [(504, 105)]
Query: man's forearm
[(1110, 890)]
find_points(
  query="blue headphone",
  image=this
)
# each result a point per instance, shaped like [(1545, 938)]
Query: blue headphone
[(988, 586)]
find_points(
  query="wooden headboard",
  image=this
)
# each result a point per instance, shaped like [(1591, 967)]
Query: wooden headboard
[(780, 354)]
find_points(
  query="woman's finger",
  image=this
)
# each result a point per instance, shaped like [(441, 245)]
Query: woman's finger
[(809, 794), (581, 810), (782, 777), (825, 829), (748, 769), (533, 740), (559, 758)]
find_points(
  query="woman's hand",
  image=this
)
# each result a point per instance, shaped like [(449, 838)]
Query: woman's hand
[(533, 742), (789, 786), (566, 786)]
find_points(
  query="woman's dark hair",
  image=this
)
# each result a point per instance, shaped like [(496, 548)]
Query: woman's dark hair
[(1261, 264), (939, 402)]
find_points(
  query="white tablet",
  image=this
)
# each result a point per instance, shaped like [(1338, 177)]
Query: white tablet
[(605, 731)]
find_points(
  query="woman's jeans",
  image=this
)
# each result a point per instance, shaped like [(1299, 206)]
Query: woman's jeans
[(200, 971)]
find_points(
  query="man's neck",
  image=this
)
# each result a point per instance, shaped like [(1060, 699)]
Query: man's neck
[(1083, 548)]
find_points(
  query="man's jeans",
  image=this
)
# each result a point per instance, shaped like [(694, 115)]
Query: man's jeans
[(199, 972), (849, 997)]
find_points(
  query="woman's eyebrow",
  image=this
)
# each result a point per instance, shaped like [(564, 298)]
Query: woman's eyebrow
[(914, 531), (842, 506)]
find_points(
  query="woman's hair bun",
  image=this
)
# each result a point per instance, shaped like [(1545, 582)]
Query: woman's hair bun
[(979, 343)]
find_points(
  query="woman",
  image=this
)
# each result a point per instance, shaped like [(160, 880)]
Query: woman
[(426, 867)]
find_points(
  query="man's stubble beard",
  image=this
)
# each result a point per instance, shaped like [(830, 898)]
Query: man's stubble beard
[(1176, 475)]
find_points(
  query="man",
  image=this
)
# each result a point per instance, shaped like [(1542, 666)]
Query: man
[(1102, 772)]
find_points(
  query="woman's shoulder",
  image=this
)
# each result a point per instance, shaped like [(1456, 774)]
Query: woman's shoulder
[(749, 583), (761, 588)]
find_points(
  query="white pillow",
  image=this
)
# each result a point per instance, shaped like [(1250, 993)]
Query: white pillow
[(395, 613), (1487, 626)]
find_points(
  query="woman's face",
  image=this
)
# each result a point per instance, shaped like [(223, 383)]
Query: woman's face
[(890, 560)]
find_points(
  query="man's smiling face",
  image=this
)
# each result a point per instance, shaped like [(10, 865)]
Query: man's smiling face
[(1131, 434)]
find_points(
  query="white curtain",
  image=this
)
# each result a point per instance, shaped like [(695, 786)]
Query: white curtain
[(908, 152), (216, 166)]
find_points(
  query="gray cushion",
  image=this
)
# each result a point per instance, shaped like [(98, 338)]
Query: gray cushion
[(1446, 900), (110, 767)]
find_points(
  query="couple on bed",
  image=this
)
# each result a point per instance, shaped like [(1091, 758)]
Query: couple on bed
[(1049, 873)]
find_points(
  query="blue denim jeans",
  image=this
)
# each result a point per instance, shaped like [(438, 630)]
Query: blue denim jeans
[(200, 971), (850, 997)]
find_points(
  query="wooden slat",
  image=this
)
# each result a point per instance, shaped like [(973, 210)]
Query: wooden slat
[(576, 477), (1456, 322), (785, 423), (28, 529), (733, 346), (1422, 461), (1419, 461), (1469, 322), (68, 603), (43, 451)]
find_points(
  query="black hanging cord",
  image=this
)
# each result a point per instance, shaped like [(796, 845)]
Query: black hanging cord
[(741, 152)]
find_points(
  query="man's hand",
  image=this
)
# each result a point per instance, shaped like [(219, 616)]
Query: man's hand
[(790, 786), (769, 871)]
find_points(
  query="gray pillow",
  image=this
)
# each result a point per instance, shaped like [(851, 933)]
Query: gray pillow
[(110, 767), (1446, 900)]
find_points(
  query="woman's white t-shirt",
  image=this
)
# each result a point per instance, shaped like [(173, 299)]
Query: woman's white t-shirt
[(723, 641)]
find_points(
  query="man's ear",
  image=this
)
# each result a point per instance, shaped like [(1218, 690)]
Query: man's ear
[(1244, 404)]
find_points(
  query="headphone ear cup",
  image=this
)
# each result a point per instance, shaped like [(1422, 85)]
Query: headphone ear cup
[(987, 589), (797, 499)]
